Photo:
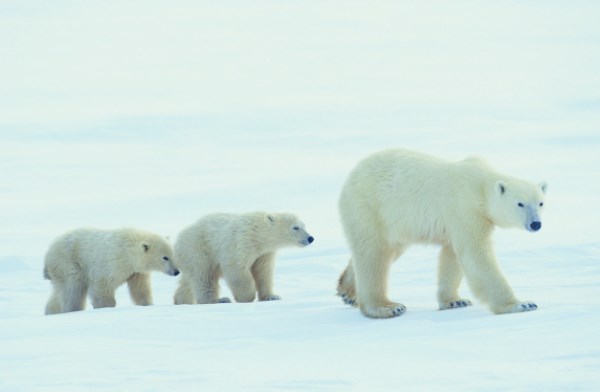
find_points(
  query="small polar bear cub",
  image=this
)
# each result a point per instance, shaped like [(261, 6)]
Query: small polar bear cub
[(96, 262), (241, 248), (396, 198)]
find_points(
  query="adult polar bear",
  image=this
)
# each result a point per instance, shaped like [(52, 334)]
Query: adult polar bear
[(395, 198)]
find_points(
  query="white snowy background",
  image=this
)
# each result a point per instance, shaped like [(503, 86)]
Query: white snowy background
[(152, 113)]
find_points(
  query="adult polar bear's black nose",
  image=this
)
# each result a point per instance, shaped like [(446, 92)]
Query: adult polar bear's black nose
[(311, 239), (535, 226)]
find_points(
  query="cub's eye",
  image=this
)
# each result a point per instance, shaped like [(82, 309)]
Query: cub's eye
[(520, 205), (541, 204), (165, 258), (296, 228)]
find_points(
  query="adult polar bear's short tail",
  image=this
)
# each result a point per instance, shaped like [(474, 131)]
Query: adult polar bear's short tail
[(396, 198)]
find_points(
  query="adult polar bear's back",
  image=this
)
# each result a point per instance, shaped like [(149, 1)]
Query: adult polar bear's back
[(401, 194), (396, 198)]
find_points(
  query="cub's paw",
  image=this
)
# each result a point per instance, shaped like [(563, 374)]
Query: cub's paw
[(524, 307), (516, 307), (271, 297), (384, 311), (348, 300), (224, 300), (461, 303)]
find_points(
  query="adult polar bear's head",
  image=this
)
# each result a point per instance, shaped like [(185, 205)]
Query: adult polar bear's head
[(517, 203), (289, 230)]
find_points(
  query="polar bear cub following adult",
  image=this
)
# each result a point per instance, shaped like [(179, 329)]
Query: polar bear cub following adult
[(98, 261), (395, 198), (241, 248)]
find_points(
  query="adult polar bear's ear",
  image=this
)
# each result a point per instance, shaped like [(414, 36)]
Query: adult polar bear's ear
[(543, 186), (146, 246), (500, 187)]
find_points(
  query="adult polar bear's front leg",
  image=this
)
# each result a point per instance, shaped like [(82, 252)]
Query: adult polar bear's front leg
[(476, 256), (262, 271), (450, 275)]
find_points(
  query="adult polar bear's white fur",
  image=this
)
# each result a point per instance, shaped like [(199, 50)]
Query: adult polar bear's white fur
[(238, 247), (395, 198), (99, 261)]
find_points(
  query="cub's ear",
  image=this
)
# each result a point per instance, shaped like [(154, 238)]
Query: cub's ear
[(270, 218), (543, 186), (146, 246), (500, 187)]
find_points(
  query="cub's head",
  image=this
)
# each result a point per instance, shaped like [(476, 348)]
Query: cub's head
[(517, 203), (290, 230), (158, 255)]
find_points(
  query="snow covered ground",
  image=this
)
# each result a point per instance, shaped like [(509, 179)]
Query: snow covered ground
[(153, 113)]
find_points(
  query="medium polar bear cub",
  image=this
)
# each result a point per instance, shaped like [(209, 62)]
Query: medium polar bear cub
[(238, 247), (396, 198), (99, 261)]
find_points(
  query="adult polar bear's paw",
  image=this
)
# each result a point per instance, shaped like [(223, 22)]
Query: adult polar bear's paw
[(348, 300), (461, 303), (391, 309)]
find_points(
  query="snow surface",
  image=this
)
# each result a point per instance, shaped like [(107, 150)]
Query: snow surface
[(153, 113)]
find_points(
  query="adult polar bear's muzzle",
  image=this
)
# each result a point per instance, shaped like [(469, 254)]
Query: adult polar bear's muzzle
[(534, 222)]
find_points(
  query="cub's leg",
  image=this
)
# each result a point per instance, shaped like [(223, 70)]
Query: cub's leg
[(72, 294), (102, 294), (262, 272), (240, 282), (204, 282), (53, 305), (449, 277), (140, 289)]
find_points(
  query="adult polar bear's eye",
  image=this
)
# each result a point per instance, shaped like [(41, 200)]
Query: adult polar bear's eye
[(296, 228), (520, 205), (165, 258)]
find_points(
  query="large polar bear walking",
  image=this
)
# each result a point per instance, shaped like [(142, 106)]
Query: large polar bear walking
[(239, 247), (395, 198), (99, 261)]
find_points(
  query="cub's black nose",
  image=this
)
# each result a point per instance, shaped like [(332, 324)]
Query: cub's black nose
[(311, 239), (535, 226), (176, 273)]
